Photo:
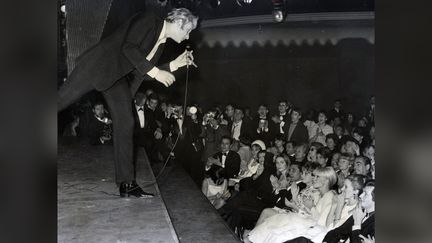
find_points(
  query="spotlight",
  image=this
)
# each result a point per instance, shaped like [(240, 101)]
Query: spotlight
[(278, 10), (63, 8), (193, 110)]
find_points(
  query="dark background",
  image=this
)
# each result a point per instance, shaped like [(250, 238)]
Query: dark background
[(309, 76)]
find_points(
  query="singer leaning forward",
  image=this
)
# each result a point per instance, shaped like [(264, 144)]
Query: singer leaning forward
[(132, 50)]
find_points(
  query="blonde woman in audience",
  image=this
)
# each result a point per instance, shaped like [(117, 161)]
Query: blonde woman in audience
[(310, 223)]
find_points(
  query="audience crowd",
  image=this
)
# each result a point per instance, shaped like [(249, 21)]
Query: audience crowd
[(292, 176)]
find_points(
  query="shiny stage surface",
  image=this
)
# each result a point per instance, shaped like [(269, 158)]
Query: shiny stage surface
[(89, 208)]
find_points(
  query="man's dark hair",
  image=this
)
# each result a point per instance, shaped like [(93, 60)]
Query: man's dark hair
[(153, 96), (245, 139), (298, 110), (96, 103), (371, 183), (309, 166), (366, 160), (325, 152), (227, 137)]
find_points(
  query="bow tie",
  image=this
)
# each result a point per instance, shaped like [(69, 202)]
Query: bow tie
[(140, 108), (225, 154)]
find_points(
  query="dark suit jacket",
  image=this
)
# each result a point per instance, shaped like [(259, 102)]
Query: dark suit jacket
[(245, 128), (345, 231), (232, 165), (97, 129), (300, 133), (268, 136), (122, 52)]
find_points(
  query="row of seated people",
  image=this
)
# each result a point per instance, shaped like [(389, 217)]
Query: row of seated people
[(282, 199), (252, 182)]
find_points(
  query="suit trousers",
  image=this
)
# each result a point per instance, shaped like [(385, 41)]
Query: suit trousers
[(119, 100)]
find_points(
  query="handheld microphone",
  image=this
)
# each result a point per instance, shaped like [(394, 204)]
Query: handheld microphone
[(188, 56)]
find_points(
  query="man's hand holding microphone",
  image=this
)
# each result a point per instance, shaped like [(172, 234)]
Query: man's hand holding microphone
[(184, 59)]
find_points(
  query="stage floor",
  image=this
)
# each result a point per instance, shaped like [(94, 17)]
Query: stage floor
[(89, 208)]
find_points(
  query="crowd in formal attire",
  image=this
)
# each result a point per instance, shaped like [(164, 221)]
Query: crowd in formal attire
[(292, 176)]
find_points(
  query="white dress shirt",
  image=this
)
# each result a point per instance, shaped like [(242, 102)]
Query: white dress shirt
[(236, 127), (140, 111)]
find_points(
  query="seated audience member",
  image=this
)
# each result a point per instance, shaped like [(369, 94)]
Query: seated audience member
[(363, 122), (245, 153), (300, 178), (227, 117), (283, 117), (349, 123), (300, 153), (99, 127), (220, 168), (310, 123), (212, 134), (148, 130), (350, 146), (362, 166), (278, 147), (336, 112), (369, 152), (332, 142), (339, 131), (335, 161), (312, 153), (323, 129), (295, 130), (323, 156), (359, 136), (345, 166), (346, 201), (253, 163), (361, 224), (263, 129), (342, 209), (290, 225), (290, 149), (239, 126), (243, 209), (247, 114)]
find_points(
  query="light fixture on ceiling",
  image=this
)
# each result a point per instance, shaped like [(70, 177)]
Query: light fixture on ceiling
[(243, 2)]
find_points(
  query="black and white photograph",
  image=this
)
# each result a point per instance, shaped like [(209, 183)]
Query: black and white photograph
[(216, 121)]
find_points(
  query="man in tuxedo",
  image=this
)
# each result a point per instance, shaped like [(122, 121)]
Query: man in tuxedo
[(224, 164), (148, 131), (296, 131), (283, 117), (117, 66), (264, 130)]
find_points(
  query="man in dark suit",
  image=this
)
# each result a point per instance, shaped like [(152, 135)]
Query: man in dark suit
[(116, 66), (224, 164), (296, 131), (99, 126), (147, 132), (263, 128), (240, 127)]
